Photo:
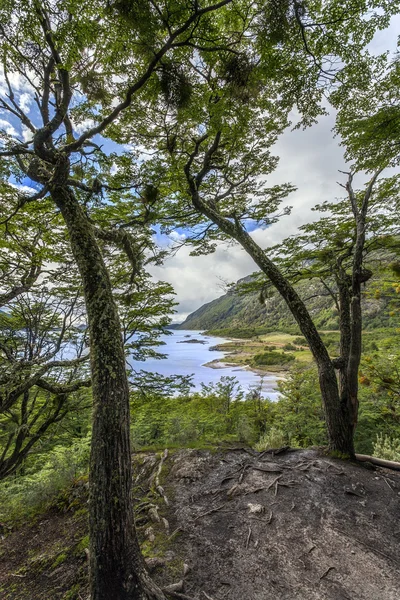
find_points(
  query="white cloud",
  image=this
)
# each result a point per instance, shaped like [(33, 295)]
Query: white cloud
[(311, 160), (25, 101), (8, 128), (24, 189), (27, 134), (175, 236), (83, 126)]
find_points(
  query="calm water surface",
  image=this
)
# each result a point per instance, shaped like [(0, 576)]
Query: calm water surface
[(189, 359)]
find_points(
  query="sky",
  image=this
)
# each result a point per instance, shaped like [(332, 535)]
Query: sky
[(311, 160)]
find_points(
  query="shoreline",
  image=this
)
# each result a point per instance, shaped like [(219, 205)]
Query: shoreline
[(217, 363)]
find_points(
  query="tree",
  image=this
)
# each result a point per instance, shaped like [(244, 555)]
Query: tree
[(39, 387), (43, 354), (214, 174), (83, 67), (342, 250), (340, 405)]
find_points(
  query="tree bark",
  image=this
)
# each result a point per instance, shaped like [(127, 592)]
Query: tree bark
[(117, 569)]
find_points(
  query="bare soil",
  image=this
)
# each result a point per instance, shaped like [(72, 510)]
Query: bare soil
[(235, 524)]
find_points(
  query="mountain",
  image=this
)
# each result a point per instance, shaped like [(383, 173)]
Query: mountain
[(244, 311)]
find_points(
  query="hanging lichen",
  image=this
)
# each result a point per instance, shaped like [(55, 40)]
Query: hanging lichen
[(175, 85)]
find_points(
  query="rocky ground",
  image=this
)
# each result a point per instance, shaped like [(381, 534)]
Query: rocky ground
[(234, 524)]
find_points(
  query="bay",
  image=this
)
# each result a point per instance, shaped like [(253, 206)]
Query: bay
[(185, 357)]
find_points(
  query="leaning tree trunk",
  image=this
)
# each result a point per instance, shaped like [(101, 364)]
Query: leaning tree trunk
[(337, 416), (338, 419), (117, 569)]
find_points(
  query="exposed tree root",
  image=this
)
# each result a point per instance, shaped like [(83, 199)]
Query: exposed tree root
[(209, 512)]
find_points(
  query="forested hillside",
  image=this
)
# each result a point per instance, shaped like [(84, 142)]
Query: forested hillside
[(240, 309)]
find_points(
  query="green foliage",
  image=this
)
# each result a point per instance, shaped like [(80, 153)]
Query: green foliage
[(299, 411), (300, 341), (387, 448), (219, 412), (273, 438), (25, 496), (273, 358)]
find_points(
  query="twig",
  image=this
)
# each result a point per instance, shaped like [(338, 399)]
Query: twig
[(248, 538), (274, 482), (387, 483), (264, 487), (209, 512), (271, 470), (177, 530), (325, 573), (207, 596)]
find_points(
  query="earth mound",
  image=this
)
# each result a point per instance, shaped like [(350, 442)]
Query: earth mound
[(234, 523)]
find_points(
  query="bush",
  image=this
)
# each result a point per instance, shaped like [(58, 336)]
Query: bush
[(289, 347), (273, 438), (300, 341), (27, 495), (272, 358), (387, 448)]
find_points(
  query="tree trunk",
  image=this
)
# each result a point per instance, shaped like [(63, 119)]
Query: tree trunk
[(339, 426), (117, 569)]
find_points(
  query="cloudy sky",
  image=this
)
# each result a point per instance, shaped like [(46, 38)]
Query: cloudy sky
[(309, 159)]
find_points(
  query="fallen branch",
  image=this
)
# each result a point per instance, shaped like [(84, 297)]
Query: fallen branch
[(177, 595), (248, 450), (380, 462)]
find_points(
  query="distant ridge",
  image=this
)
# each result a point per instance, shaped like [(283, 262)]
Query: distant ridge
[(235, 310)]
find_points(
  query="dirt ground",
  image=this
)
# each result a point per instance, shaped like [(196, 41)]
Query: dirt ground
[(235, 524)]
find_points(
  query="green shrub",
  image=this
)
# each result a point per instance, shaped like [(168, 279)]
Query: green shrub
[(272, 358), (289, 347), (300, 341), (387, 448), (27, 495), (273, 438)]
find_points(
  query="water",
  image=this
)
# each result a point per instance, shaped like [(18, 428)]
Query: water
[(188, 359)]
